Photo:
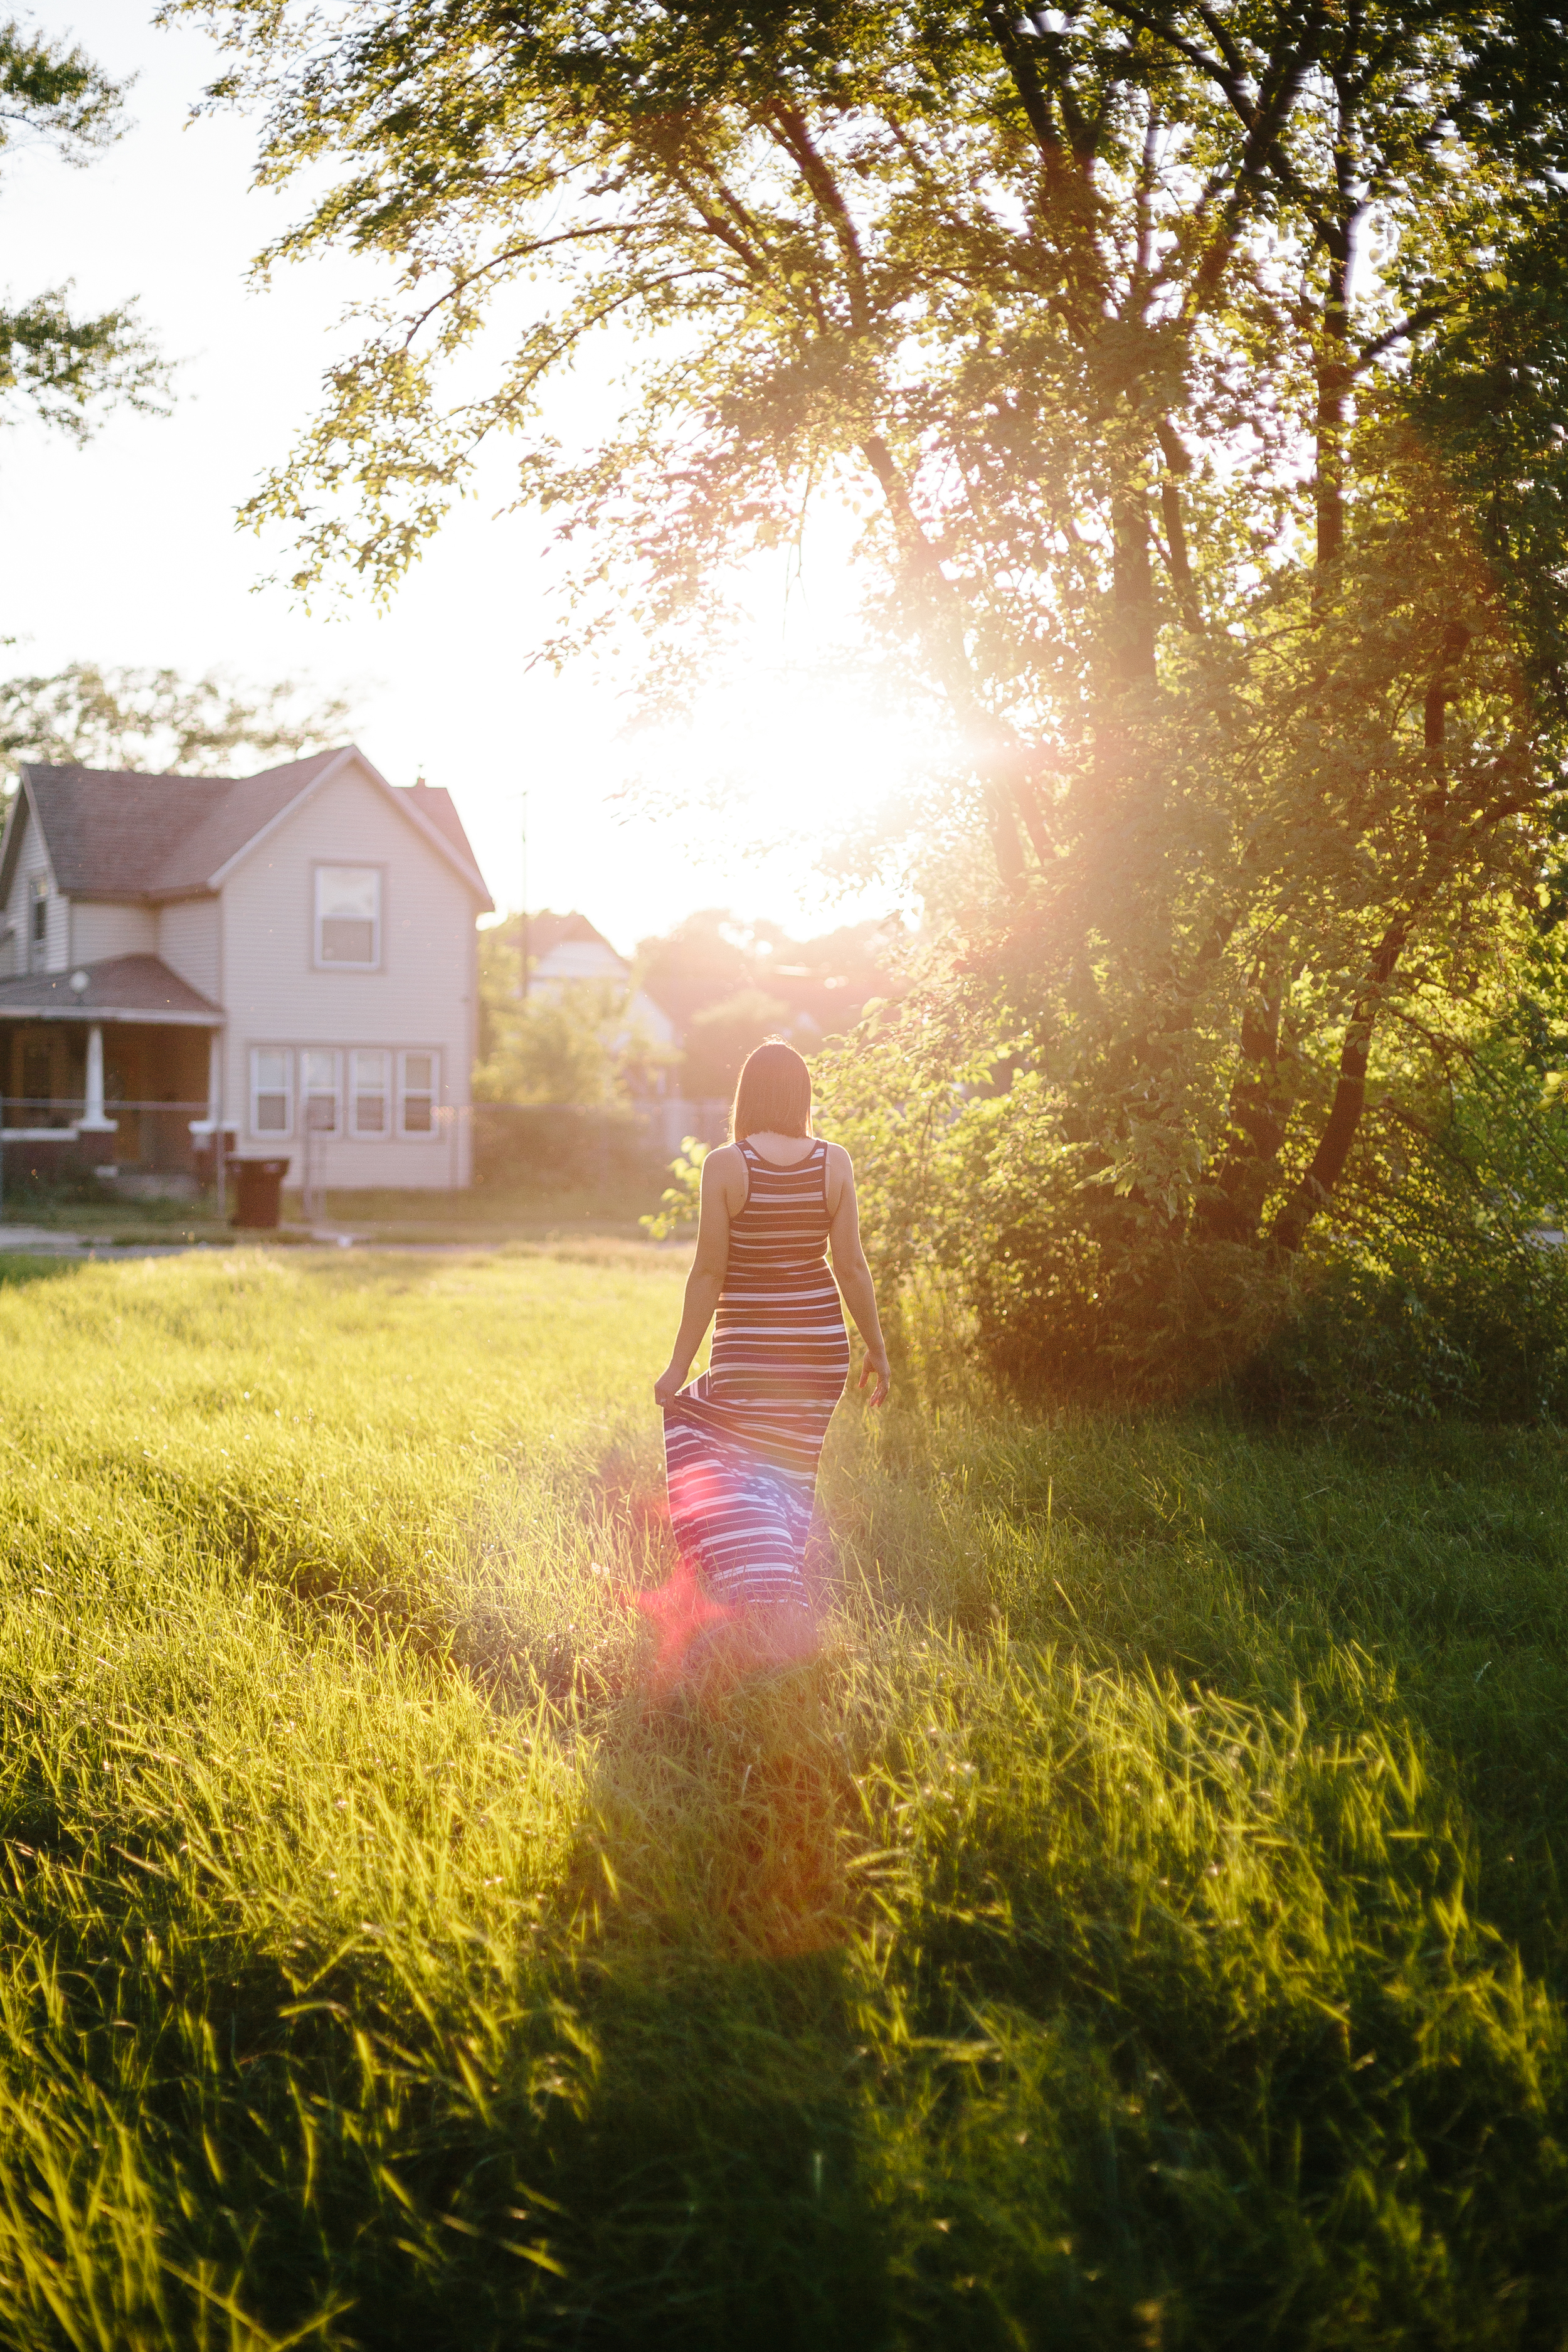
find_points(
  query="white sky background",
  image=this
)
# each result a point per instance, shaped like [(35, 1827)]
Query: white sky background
[(127, 553)]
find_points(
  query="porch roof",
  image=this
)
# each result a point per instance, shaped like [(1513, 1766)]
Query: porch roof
[(119, 988)]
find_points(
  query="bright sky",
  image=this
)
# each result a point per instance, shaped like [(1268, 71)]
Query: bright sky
[(127, 553)]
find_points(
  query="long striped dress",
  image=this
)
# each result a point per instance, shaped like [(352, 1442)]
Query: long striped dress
[(741, 1442)]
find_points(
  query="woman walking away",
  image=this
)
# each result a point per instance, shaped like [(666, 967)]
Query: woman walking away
[(741, 1444)]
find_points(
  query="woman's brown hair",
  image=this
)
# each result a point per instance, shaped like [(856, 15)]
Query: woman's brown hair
[(773, 1096)]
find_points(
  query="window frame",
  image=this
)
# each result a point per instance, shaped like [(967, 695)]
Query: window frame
[(432, 1095), (384, 1133), (284, 1134), (321, 865), (38, 933), (305, 1095)]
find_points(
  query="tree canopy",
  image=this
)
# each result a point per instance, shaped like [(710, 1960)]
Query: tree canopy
[(158, 721), (53, 359), (1198, 370)]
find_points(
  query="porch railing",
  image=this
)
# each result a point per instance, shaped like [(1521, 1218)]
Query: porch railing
[(40, 1115), (152, 1136)]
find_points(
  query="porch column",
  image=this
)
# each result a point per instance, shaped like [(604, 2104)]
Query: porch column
[(92, 1121), (214, 1114)]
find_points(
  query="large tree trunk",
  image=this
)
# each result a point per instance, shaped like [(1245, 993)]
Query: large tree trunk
[(997, 753), (1332, 363), (1350, 1093), (1132, 590), (1328, 1164), (1230, 1208)]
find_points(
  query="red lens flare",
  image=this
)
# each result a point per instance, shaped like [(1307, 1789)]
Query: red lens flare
[(678, 1611)]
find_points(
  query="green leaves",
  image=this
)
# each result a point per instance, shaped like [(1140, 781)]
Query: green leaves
[(156, 719), (59, 363), (1194, 371), (48, 90)]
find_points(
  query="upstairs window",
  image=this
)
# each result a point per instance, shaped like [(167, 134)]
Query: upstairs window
[(369, 1108), (271, 1091), (348, 918), (419, 1087), (38, 922)]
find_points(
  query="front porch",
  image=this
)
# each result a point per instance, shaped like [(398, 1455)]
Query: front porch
[(109, 1070)]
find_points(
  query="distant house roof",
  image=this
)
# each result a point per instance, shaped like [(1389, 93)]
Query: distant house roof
[(548, 931), (115, 834), (119, 988)]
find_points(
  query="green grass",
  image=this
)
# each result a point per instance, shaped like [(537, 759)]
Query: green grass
[(1142, 1927), (487, 1217)]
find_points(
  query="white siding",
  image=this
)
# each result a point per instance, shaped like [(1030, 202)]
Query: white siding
[(581, 960), (58, 954), (190, 936), (11, 951), (422, 997), (31, 862), (99, 931)]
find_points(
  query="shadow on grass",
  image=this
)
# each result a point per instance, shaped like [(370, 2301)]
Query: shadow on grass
[(1418, 1577), (19, 1271)]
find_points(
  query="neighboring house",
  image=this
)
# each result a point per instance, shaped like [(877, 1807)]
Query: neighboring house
[(285, 954), (564, 950)]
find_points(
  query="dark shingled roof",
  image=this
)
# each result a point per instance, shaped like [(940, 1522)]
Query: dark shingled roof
[(118, 835), (119, 988), (435, 804)]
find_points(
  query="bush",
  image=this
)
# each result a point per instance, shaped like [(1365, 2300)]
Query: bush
[(1486, 1341), (1432, 1291), (555, 1146)]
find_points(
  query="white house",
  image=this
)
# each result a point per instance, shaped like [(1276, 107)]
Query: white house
[(565, 950), (285, 954)]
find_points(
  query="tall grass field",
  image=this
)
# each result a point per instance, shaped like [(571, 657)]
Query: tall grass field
[(1141, 1928)]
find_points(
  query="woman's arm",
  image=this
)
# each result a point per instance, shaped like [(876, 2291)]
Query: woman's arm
[(706, 1279), (854, 1278)]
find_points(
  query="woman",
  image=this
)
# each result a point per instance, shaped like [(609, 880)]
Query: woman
[(742, 1442)]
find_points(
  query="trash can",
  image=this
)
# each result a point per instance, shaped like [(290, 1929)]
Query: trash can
[(260, 1185)]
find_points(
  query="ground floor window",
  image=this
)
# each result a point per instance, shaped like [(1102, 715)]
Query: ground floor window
[(321, 1083), (370, 1104), (418, 1090), (391, 1090), (271, 1091)]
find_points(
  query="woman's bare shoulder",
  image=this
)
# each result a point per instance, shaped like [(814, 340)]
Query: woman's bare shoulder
[(723, 1160), (838, 1159)]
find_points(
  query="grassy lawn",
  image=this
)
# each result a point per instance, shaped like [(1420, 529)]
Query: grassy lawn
[(1142, 1928), (487, 1217)]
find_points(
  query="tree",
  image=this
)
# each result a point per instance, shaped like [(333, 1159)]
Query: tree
[(156, 719), (56, 360), (818, 986), (1140, 329), (720, 1037), (551, 1049), (566, 1043), (702, 961)]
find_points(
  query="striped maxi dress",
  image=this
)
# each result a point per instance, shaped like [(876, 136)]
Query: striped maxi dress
[(741, 1442)]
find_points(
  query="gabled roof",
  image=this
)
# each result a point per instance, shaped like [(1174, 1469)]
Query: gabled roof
[(548, 931), (435, 804), (119, 835), (119, 988)]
